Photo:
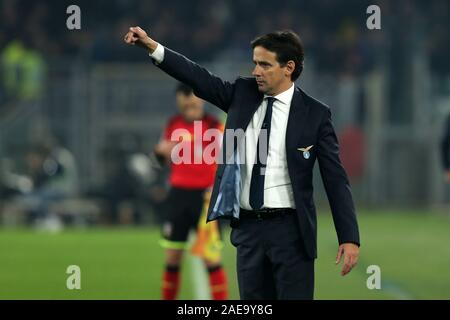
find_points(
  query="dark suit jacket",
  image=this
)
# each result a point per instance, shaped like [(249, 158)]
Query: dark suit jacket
[(309, 124)]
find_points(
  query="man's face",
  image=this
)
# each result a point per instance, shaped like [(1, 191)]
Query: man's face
[(190, 106), (270, 75)]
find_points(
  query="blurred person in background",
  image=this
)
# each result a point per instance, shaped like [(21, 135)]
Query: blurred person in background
[(124, 179), (120, 189), (53, 172), (23, 70), (189, 196)]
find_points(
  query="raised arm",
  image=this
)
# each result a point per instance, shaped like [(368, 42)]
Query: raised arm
[(206, 85)]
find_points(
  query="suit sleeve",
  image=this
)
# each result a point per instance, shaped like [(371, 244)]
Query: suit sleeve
[(206, 85), (336, 183), (445, 146)]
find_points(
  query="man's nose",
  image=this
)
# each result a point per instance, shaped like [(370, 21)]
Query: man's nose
[(256, 72)]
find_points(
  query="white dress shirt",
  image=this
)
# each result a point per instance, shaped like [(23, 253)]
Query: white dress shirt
[(277, 184), (158, 54)]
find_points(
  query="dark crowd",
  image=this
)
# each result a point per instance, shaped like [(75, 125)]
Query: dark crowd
[(334, 32)]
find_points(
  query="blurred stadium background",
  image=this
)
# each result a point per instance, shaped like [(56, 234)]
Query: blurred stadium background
[(80, 112)]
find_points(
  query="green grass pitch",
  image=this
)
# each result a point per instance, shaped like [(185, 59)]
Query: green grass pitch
[(411, 248)]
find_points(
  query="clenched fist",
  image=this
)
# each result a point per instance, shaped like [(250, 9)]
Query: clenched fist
[(137, 36)]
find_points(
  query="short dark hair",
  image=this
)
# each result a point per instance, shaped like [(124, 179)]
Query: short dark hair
[(184, 89), (287, 45)]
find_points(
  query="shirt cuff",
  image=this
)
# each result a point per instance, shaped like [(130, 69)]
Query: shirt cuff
[(158, 54)]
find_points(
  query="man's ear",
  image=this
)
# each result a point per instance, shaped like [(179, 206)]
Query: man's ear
[(290, 67)]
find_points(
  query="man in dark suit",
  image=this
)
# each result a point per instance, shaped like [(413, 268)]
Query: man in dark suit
[(265, 185)]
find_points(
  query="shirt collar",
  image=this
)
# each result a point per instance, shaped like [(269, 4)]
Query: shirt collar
[(284, 97)]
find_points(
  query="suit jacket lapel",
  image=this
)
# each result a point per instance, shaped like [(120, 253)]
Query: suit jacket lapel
[(246, 113), (297, 120)]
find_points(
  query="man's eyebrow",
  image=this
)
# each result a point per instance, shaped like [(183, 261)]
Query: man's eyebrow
[(266, 63)]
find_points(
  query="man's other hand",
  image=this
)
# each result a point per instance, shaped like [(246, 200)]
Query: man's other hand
[(350, 251), (137, 36)]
